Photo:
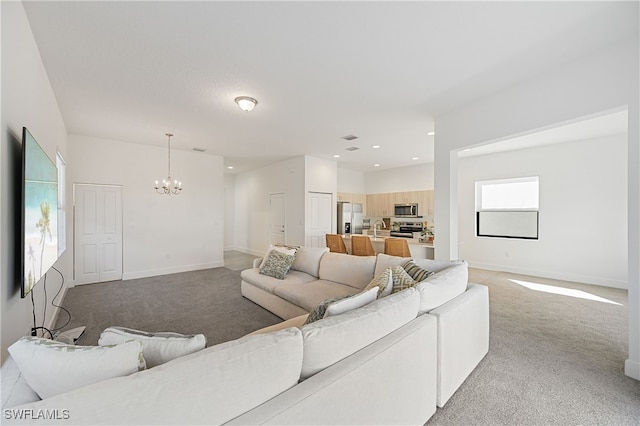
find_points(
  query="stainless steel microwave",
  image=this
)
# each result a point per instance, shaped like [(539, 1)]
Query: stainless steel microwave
[(405, 210)]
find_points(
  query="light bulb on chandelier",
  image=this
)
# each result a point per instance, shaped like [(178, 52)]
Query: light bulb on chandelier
[(168, 186)]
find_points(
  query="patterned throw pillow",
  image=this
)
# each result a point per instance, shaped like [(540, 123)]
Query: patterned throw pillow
[(401, 279), (277, 264), (381, 281), (416, 272)]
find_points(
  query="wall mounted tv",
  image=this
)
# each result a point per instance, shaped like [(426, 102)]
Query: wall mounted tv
[(39, 213)]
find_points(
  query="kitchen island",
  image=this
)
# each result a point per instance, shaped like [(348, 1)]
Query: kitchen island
[(419, 250)]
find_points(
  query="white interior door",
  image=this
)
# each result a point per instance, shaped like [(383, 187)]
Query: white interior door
[(277, 230), (320, 218), (97, 233)]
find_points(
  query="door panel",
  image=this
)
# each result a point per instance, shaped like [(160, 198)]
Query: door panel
[(320, 219), (277, 230), (97, 233)]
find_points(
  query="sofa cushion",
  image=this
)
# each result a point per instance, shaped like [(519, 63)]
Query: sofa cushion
[(354, 271), (264, 282), (157, 348), (15, 389), (308, 259), (52, 367), (443, 286), (332, 339), (309, 295), (277, 264), (211, 386), (341, 304), (384, 261)]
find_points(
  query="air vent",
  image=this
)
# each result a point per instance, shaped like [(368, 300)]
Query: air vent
[(349, 137), (352, 148), (199, 149)]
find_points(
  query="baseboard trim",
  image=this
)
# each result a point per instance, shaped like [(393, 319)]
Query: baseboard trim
[(173, 270), (258, 253), (584, 279), (632, 369)]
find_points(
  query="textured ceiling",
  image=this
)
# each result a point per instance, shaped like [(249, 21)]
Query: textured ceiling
[(132, 71)]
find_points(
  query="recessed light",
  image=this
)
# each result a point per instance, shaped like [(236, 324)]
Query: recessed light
[(431, 133), (230, 167), (376, 165), (336, 156), (415, 158), (375, 146)]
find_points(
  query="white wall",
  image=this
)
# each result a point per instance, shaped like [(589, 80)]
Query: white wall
[(603, 81), (229, 212), (253, 189), (162, 234), (351, 181), (411, 178), (583, 212), (27, 100)]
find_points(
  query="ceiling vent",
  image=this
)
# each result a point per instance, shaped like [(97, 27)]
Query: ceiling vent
[(352, 148), (349, 137), (196, 149)]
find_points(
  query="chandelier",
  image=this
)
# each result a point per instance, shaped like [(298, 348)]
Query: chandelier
[(168, 187)]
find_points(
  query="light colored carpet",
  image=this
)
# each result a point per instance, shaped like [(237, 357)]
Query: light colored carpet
[(553, 359)]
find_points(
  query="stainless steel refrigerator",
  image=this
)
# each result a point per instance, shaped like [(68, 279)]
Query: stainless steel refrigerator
[(349, 218)]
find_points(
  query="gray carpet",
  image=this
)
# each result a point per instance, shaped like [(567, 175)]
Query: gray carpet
[(553, 359), (206, 301)]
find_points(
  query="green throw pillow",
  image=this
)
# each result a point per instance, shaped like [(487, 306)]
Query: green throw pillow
[(416, 272), (277, 264), (401, 279)]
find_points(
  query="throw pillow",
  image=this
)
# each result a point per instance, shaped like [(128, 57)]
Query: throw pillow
[(157, 348), (350, 303), (401, 279), (384, 282), (52, 367), (291, 251), (277, 264), (416, 272), (318, 312)]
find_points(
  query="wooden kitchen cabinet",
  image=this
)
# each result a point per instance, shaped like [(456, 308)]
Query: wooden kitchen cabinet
[(346, 197)]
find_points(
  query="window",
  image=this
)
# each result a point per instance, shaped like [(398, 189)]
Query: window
[(507, 208), (62, 195)]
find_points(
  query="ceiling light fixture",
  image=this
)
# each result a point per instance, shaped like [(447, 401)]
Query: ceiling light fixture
[(167, 187), (415, 158), (336, 156), (246, 103), (431, 133), (230, 167), (376, 165), (375, 146)]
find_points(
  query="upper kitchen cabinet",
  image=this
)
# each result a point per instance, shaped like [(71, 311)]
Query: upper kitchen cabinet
[(346, 197), (383, 204)]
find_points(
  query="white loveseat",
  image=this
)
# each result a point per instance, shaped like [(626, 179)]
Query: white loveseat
[(461, 308)]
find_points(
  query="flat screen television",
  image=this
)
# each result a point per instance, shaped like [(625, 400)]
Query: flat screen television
[(39, 213)]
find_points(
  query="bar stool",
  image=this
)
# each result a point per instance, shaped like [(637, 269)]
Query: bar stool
[(336, 243), (361, 246), (396, 247)]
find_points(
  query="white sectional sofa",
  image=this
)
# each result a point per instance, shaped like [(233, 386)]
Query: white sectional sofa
[(373, 365), (391, 361), (460, 308)]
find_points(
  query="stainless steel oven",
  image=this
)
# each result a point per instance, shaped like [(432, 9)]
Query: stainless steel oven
[(406, 229)]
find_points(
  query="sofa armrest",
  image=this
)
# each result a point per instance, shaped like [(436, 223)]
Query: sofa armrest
[(257, 262), (463, 338)]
